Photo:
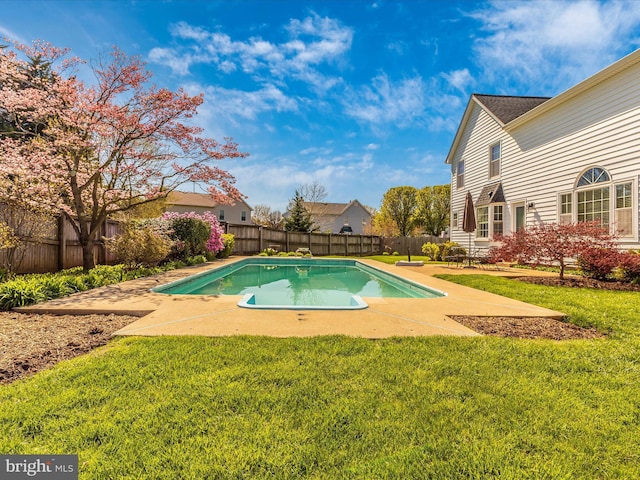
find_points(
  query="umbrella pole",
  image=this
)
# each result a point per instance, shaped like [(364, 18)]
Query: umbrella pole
[(469, 251)]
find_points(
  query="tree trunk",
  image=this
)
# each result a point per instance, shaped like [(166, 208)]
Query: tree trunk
[(88, 262)]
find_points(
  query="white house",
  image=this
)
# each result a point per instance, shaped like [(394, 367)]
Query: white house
[(350, 217), (181, 202), (574, 157)]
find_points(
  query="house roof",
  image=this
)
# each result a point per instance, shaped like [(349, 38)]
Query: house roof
[(507, 108), (192, 199), (502, 108), (330, 209), (491, 194)]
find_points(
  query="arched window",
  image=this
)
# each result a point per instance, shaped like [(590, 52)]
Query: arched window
[(597, 197), (593, 175)]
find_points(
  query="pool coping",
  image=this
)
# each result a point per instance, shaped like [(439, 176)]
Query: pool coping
[(163, 314)]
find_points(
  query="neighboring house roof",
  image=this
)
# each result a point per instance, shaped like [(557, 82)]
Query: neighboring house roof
[(507, 108), (330, 209), (192, 199), (511, 112)]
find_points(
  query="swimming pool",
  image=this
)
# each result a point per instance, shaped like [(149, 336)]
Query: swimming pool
[(299, 283)]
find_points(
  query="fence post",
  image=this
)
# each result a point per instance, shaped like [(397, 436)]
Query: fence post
[(62, 244), (260, 239)]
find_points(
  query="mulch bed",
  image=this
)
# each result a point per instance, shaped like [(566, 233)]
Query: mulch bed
[(30, 343), (527, 327), (581, 282)]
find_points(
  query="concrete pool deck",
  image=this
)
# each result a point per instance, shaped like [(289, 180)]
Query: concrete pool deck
[(163, 314)]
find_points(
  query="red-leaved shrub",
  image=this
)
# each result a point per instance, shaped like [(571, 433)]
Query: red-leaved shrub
[(630, 266), (598, 263)]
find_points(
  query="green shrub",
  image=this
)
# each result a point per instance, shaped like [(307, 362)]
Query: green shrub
[(431, 250), (385, 253), (190, 235), (139, 245), (229, 241), (20, 292), (57, 286), (395, 254), (196, 260), (269, 252)]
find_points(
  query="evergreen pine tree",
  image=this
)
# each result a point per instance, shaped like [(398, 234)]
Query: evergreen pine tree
[(298, 220)]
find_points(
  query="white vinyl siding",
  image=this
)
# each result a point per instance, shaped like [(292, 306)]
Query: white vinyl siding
[(542, 158)]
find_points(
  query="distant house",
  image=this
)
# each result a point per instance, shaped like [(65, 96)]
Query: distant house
[(181, 202), (350, 218), (532, 160)]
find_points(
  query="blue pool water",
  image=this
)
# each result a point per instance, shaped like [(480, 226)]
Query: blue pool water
[(299, 283)]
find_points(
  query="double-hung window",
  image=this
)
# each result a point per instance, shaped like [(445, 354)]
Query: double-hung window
[(482, 220), (624, 210), (566, 209), (221, 215), (498, 220), (490, 221), (494, 160)]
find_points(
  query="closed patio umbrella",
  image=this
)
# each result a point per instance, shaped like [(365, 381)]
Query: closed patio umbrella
[(469, 220)]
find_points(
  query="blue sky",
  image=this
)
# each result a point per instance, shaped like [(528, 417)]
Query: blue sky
[(358, 95)]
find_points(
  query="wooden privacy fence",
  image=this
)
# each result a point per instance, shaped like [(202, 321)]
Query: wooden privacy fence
[(57, 247), (412, 244), (252, 239)]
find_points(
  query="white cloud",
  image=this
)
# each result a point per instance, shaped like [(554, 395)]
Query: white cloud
[(233, 104), (397, 47), (313, 41), (459, 79), (549, 46), (385, 101), (274, 182)]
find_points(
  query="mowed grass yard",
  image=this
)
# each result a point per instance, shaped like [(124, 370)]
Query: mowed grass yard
[(339, 407)]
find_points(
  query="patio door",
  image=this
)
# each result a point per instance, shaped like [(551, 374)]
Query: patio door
[(519, 217)]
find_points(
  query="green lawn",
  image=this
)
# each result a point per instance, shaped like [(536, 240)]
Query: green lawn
[(338, 407)]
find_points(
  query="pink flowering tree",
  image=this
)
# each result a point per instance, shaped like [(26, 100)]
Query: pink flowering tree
[(93, 151), (214, 243)]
